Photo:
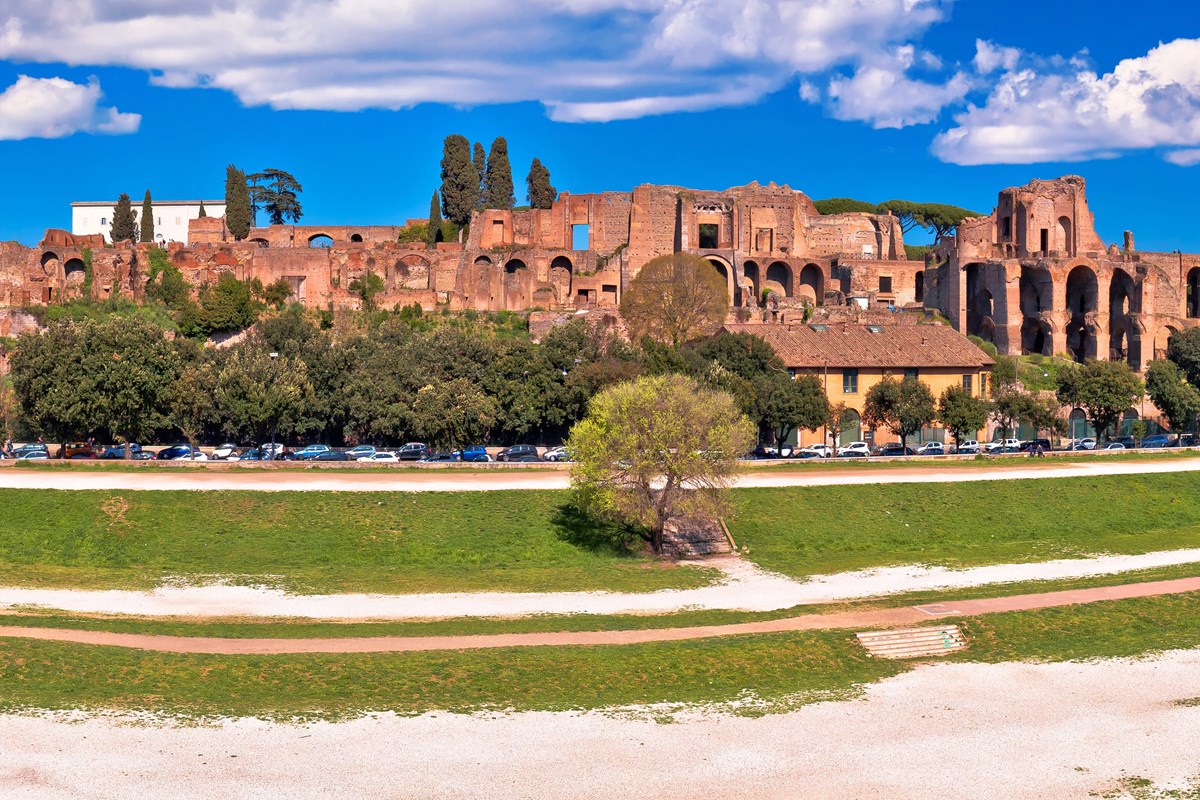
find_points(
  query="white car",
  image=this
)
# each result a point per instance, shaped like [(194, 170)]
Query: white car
[(224, 451), (1114, 446), (823, 450), (968, 447), (34, 455), (379, 458), (1007, 444), (932, 449), (855, 448), (196, 456), (557, 454)]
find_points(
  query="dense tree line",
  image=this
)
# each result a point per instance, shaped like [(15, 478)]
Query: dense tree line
[(937, 218)]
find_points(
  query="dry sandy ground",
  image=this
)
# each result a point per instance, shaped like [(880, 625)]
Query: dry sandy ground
[(448, 480), (745, 588), (950, 730)]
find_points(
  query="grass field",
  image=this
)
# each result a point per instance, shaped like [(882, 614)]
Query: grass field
[(802, 531), (316, 542), (778, 670)]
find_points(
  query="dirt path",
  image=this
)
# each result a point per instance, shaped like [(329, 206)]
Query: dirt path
[(220, 477), (400, 644)]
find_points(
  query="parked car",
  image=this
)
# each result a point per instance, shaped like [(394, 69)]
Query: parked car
[(225, 451), (1044, 444), (1086, 443), (527, 458), (334, 455), (310, 451), (763, 451), (118, 451), (861, 448), (932, 449), (557, 454), (1188, 440), (75, 450), (1004, 446), (518, 452), (34, 455), (1157, 441), (818, 450), (1125, 440), (379, 458), (967, 447), (253, 454), (174, 452), (844, 453), (894, 449), (475, 453), (438, 458), (359, 451), (30, 448), (413, 451), (1114, 446)]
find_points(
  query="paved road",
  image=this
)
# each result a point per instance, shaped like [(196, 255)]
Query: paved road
[(450, 480), (395, 644)]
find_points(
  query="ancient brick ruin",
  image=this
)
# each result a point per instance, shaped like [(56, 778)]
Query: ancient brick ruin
[(1031, 277)]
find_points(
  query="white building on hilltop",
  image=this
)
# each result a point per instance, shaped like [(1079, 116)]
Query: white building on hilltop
[(170, 217)]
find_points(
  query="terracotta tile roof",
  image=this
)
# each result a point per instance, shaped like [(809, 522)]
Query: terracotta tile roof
[(845, 345)]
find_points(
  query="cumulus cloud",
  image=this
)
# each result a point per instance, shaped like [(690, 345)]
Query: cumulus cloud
[(50, 108), (1066, 112), (883, 94), (990, 57), (585, 60), (1183, 158)]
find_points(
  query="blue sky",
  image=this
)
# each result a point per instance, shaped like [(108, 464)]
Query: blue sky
[(918, 99)]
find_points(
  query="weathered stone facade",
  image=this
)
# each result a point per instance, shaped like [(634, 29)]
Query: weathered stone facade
[(1033, 277)]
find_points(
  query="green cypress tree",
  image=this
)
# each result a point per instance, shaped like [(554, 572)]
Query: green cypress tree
[(499, 177), (480, 162), (435, 222), (203, 213), (124, 229), (237, 203), (460, 180), (147, 220), (541, 194)]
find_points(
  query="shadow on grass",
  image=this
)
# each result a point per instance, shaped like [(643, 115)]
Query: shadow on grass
[(577, 527)]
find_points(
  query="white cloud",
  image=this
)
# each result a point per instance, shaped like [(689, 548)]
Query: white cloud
[(583, 59), (1183, 158), (882, 94), (990, 57), (1073, 114), (50, 108)]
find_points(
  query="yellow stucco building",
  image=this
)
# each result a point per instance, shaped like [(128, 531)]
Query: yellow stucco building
[(849, 359)]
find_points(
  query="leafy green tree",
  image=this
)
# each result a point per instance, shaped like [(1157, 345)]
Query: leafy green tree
[(238, 213), (674, 299), (227, 305), (938, 218), (1178, 400), (9, 410), (479, 159), (1104, 389), (843, 205), (433, 233), (537, 185), (499, 182), (277, 293), (836, 421), (147, 222), (1183, 349), (112, 376), (903, 407), (452, 414), (788, 404), (257, 395), (908, 212), (961, 412), (124, 228), (191, 400), (655, 449), (164, 282), (460, 180), (367, 286), (276, 192)]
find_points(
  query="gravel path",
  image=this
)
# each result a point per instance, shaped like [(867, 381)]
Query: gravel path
[(395, 644), (449, 480), (745, 588), (969, 731)]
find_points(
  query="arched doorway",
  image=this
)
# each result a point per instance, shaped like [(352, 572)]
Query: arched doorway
[(74, 272), (561, 271), (751, 273), (1063, 242), (726, 273), (356, 238), (812, 284), (851, 428), (1193, 293), (979, 305), (1124, 302), (920, 286), (1082, 298), (779, 278), (1036, 338)]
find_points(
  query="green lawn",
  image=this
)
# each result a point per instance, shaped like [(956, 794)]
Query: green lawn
[(316, 542), (780, 670), (802, 531)]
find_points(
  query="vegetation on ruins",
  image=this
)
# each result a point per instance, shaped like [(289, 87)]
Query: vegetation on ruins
[(537, 186), (903, 407), (367, 286), (277, 193), (460, 180), (1104, 389), (433, 229), (124, 228), (674, 299), (238, 213), (147, 219), (938, 218), (655, 449), (1013, 403), (844, 205), (498, 191)]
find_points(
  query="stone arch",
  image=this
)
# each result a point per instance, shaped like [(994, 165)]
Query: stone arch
[(851, 428), (812, 281), (50, 261), (511, 266), (1122, 294), (780, 274), (1162, 340), (74, 272), (356, 238), (986, 329), (1062, 235), (1037, 337), (753, 277), (725, 270), (260, 242), (1082, 290), (318, 240), (1037, 291), (561, 273), (980, 306), (1193, 293), (483, 261), (919, 280)]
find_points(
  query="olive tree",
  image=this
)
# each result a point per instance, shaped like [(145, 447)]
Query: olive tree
[(674, 299), (657, 448)]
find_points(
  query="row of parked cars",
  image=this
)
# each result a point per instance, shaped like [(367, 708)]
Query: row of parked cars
[(971, 447), (413, 451)]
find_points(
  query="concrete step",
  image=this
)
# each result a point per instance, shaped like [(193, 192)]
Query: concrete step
[(913, 642), (692, 538)]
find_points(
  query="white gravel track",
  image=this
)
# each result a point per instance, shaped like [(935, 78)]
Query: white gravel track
[(969, 731), (746, 587)]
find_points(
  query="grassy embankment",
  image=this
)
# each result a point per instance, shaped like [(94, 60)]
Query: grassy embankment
[(518, 541), (779, 671)]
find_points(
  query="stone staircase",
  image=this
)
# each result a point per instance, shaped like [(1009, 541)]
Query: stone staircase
[(913, 642), (694, 538)]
